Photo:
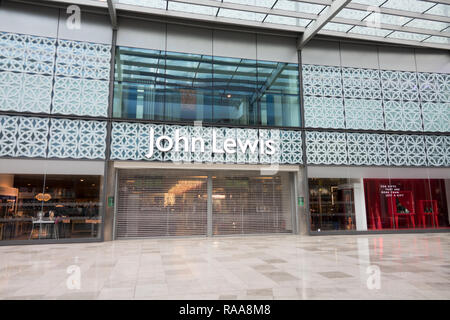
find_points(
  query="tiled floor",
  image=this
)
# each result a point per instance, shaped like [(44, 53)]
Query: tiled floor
[(412, 266)]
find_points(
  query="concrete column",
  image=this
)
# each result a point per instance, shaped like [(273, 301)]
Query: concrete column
[(447, 190), (303, 214), (360, 206), (286, 209), (110, 190)]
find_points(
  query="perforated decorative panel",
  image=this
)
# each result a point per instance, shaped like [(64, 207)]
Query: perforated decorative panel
[(322, 81), (399, 85), (83, 60), (183, 154), (366, 149), (77, 139), (326, 148), (434, 87), (361, 83), (25, 53), (323, 112), (131, 141), (403, 115), (436, 116), (23, 136), (438, 150), (291, 147), (27, 67), (80, 97), (8, 135), (376, 100), (206, 134), (364, 114), (406, 150), (25, 92), (32, 137)]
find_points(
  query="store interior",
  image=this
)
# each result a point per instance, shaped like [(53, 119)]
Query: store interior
[(36, 206)]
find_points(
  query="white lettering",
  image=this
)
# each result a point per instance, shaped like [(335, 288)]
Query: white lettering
[(247, 144), (178, 139), (270, 145), (179, 143), (202, 144), (229, 146), (215, 149), (164, 148), (150, 148)]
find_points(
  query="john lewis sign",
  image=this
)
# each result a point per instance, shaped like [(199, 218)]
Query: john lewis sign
[(154, 142), (196, 144)]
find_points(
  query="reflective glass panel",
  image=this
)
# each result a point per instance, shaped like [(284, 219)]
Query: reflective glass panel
[(177, 87)]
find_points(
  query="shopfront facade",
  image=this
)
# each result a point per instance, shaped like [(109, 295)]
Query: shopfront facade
[(161, 129)]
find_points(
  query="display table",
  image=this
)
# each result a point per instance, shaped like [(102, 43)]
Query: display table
[(429, 208), (401, 204), (46, 223)]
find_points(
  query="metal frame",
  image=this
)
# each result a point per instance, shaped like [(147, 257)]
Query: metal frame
[(106, 182), (112, 13), (318, 20), (335, 7), (305, 156), (209, 203)]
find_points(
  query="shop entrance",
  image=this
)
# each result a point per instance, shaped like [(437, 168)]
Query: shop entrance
[(160, 203)]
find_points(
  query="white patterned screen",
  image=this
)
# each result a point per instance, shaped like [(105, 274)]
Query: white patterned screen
[(436, 116), (438, 150), (24, 53), (401, 101), (26, 71), (77, 139), (376, 99), (367, 149), (323, 102), (326, 148), (29, 65), (336, 148), (130, 141), (23, 137), (82, 78), (25, 92), (406, 150), (52, 138)]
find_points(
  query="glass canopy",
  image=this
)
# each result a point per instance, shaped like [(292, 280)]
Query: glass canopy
[(415, 22)]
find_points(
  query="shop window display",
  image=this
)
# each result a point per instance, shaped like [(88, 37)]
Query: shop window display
[(56, 207), (406, 203), (332, 204)]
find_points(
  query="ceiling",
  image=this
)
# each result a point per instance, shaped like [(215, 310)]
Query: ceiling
[(411, 22)]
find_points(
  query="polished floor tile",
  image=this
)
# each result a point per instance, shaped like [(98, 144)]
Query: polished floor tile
[(401, 266)]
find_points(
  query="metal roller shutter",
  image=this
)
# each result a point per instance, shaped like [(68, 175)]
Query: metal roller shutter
[(160, 203), (251, 204)]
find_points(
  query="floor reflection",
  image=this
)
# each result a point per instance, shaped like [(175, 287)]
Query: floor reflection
[(408, 266)]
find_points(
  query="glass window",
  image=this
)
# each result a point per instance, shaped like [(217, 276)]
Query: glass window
[(139, 89), (235, 95), (406, 203), (378, 203), (188, 92), (278, 94), (171, 86), (332, 204), (56, 207)]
